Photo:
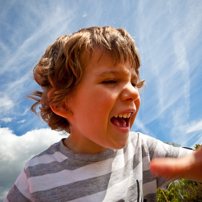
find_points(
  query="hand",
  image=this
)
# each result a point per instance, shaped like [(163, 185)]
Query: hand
[(189, 167)]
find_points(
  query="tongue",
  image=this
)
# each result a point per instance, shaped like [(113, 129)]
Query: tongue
[(120, 122)]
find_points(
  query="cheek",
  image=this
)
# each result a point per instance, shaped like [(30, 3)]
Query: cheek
[(103, 98), (100, 108), (137, 103)]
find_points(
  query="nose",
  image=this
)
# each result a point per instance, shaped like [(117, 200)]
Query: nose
[(129, 93)]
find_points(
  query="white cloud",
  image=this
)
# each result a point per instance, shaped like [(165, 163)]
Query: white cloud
[(6, 120), (16, 150)]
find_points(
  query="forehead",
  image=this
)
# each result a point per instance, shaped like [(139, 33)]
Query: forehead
[(104, 61)]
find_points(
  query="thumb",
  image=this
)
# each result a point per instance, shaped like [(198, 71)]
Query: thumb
[(189, 166), (170, 167)]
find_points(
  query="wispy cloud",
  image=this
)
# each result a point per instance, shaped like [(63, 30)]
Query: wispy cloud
[(194, 126), (140, 127), (6, 120), (5, 103), (22, 121), (84, 15), (169, 66), (24, 47), (191, 133)]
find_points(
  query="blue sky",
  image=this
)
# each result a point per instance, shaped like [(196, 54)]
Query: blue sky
[(168, 35)]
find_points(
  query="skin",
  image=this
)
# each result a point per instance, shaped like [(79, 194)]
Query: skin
[(106, 90), (188, 167)]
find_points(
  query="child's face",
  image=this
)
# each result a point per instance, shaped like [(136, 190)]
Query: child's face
[(105, 95)]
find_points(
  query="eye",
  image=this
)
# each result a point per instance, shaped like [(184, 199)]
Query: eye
[(134, 83), (110, 81)]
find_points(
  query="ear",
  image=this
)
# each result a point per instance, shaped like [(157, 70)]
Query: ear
[(61, 110)]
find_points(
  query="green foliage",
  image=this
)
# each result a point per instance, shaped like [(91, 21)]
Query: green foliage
[(181, 190), (197, 146), (174, 144)]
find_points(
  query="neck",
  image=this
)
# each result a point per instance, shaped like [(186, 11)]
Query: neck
[(83, 146)]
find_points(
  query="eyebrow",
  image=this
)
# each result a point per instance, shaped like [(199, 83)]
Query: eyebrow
[(134, 74), (108, 72)]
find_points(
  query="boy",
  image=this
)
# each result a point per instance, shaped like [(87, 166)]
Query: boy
[(90, 84)]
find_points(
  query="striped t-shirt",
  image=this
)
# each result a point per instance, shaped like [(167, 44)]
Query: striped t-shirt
[(60, 174)]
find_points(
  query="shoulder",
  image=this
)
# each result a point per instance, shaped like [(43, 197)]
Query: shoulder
[(154, 147), (51, 154)]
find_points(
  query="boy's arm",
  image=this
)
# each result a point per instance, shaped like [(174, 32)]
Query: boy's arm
[(189, 167)]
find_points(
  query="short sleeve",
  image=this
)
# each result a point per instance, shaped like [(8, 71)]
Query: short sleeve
[(19, 192)]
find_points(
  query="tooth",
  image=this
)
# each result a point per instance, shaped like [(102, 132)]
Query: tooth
[(125, 115), (120, 115)]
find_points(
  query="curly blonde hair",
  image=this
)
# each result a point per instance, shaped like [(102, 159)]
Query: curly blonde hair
[(61, 67)]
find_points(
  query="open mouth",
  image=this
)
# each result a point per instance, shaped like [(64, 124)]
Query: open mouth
[(122, 120)]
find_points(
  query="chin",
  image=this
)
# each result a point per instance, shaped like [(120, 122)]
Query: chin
[(120, 145)]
